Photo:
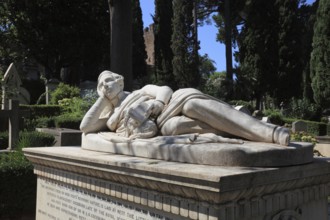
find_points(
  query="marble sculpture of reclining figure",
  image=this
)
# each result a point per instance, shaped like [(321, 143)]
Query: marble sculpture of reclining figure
[(157, 111)]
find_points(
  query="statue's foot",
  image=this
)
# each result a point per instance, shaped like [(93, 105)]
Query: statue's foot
[(281, 136)]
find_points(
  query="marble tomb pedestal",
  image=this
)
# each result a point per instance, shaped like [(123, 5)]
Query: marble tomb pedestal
[(74, 183)]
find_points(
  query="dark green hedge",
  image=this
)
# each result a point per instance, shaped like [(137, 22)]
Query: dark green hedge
[(316, 128), (35, 139), (68, 121), (313, 127), (36, 111), (28, 139), (17, 186), (32, 124), (3, 140), (17, 181)]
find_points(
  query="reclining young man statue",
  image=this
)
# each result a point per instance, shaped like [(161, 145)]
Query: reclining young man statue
[(155, 111)]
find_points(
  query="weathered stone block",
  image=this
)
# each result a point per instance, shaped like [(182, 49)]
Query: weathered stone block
[(63, 136), (172, 190)]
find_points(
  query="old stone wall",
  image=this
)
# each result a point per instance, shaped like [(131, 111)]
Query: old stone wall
[(149, 38)]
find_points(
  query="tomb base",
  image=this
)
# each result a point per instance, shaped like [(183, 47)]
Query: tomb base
[(79, 184)]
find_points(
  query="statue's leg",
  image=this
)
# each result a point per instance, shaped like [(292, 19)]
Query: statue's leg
[(225, 118), (183, 125)]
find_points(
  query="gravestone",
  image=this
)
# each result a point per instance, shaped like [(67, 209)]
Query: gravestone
[(63, 136), (299, 126), (11, 88), (266, 119)]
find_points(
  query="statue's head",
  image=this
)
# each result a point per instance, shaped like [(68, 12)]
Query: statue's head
[(110, 84)]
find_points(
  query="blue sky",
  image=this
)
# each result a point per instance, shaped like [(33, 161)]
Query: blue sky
[(206, 35)]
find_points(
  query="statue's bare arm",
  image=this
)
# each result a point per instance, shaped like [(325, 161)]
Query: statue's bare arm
[(162, 96), (96, 117), (161, 93)]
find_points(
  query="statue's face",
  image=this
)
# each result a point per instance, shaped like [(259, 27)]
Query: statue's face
[(111, 87), (110, 84)]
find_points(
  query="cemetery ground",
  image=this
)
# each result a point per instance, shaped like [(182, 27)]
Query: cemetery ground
[(61, 120)]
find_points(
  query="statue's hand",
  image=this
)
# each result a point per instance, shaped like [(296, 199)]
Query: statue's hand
[(157, 107)]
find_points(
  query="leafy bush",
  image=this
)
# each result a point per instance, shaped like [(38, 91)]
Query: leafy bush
[(3, 140), (42, 122), (64, 91), (75, 106), (289, 120), (303, 136), (303, 109), (324, 120), (316, 128), (68, 121), (28, 139), (216, 85), (275, 116), (35, 139)]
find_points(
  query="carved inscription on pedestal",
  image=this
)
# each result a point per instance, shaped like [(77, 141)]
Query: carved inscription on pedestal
[(60, 202)]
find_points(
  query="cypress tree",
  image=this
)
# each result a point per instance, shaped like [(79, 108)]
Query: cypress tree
[(290, 68), (139, 53), (307, 16), (163, 52), (258, 48), (185, 67), (320, 57)]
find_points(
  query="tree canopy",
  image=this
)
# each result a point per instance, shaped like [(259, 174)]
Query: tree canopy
[(163, 33), (274, 41), (320, 57), (62, 33), (185, 56)]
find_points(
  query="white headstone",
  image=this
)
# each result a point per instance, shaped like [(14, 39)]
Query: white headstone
[(266, 119), (243, 109)]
